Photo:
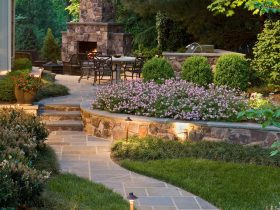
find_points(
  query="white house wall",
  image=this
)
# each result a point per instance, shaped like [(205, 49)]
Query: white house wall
[(5, 35)]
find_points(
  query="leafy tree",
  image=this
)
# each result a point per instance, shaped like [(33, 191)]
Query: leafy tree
[(50, 50), (38, 16), (73, 9), (237, 33), (28, 39), (256, 6)]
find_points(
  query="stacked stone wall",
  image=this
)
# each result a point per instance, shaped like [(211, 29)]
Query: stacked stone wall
[(115, 127)]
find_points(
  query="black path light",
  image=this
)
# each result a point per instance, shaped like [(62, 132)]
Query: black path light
[(128, 119), (131, 197)]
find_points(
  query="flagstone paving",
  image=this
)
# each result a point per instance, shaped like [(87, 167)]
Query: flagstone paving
[(89, 157)]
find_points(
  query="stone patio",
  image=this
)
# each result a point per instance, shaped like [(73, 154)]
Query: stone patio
[(89, 157)]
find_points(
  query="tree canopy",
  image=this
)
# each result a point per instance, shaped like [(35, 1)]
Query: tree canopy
[(34, 17), (256, 6)]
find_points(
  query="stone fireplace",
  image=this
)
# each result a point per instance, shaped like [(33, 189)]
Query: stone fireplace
[(95, 31)]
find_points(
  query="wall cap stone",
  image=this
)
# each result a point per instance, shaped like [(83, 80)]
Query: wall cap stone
[(217, 53), (94, 23), (86, 107)]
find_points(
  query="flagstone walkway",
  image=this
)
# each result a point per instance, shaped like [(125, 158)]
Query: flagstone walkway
[(89, 157)]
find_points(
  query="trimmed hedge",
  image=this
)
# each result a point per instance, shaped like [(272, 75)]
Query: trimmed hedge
[(196, 69), (157, 69), (151, 148), (233, 71), (22, 64)]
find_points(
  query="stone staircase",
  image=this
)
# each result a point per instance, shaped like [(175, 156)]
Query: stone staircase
[(61, 117)]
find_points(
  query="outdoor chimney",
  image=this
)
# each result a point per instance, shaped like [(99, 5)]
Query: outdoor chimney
[(96, 27)]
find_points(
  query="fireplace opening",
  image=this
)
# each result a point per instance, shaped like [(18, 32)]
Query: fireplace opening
[(86, 47)]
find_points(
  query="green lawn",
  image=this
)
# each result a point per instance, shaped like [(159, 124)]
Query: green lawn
[(66, 192), (69, 192), (226, 185)]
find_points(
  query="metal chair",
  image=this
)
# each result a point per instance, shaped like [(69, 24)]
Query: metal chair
[(135, 68), (102, 66), (87, 64), (86, 69)]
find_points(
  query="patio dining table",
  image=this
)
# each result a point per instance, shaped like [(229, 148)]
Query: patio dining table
[(117, 63)]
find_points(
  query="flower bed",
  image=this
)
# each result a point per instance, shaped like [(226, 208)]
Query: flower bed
[(175, 99)]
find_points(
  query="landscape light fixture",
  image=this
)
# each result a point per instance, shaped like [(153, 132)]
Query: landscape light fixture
[(128, 119), (131, 197)]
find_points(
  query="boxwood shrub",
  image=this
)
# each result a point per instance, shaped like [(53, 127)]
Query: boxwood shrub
[(151, 148), (196, 69), (232, 70), (157, 69)]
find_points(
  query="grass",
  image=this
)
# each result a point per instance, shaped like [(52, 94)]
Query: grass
[(229, 186), (50, 88), (46, 160), (69, 192)]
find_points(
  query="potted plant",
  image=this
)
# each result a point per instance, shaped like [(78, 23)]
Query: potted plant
[(26, 87)]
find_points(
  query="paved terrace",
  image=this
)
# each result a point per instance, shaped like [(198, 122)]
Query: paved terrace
[(89, 157)]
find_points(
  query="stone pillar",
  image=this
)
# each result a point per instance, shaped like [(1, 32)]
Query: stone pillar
[(97, 11)]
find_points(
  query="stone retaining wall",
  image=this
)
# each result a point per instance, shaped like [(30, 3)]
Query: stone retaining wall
[(114, 127)]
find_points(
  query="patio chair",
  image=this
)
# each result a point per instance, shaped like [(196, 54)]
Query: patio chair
[(135, 68), (103, 66), (87, 67)]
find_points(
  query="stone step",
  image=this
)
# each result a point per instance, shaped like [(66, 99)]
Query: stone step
[(64, 125), (53, 115), (61, 107)]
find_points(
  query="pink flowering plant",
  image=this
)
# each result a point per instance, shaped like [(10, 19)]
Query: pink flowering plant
[(27, 83), (175, 99)]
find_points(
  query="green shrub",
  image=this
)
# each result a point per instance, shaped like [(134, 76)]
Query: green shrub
[(232, 70), (27, 184), (7, 85), (21, 135), (51, 49), (22, 64), (157, 69), (151, 148), (266, 60), (50, 88), (147, 53), (19, 121), (196, 69)]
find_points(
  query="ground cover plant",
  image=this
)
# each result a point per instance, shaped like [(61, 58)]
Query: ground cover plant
[(152, 148), (176, 99), (50, 88)]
